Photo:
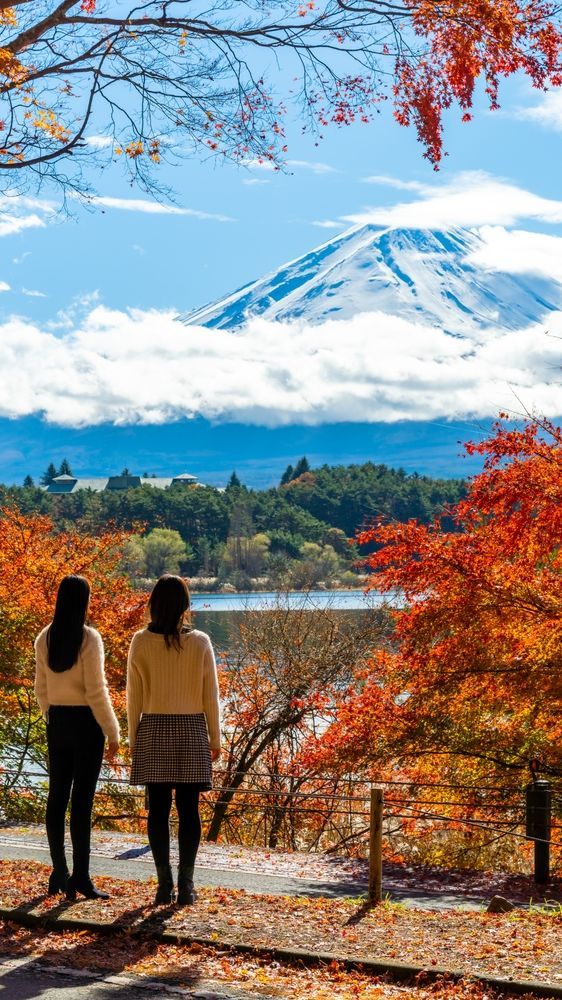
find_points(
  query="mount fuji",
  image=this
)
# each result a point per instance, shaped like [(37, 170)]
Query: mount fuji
[(431, 278), (432, 343)]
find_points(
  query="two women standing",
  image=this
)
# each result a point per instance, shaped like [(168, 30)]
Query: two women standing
[(174, 728)]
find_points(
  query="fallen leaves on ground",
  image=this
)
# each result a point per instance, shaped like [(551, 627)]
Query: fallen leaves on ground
[(207, 969), (521, 945)]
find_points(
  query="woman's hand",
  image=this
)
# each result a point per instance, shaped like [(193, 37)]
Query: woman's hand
[(215, 754), (112, 749)]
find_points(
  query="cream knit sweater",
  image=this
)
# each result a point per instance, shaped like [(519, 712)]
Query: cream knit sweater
[(83, 684), (168, 681)]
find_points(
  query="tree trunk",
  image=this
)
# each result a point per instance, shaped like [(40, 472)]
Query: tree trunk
[(221, 808)]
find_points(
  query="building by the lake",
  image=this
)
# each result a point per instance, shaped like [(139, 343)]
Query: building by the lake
[(126, 481)]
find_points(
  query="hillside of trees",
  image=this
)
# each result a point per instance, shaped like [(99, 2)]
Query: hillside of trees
[(300, 533)]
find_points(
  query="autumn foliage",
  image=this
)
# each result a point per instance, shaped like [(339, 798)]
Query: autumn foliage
[(33, 559), (446, 695), (280, 681), (467, 41), (160, 80), (469, 689)]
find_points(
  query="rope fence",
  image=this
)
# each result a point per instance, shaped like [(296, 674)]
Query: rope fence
[(407, 802)]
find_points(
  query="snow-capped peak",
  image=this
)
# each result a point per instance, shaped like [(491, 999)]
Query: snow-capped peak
[(426, 276)]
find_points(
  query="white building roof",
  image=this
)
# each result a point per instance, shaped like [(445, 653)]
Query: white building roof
[(72, 484)]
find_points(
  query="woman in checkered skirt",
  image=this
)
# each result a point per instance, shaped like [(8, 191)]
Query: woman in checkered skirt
[(174, 728)]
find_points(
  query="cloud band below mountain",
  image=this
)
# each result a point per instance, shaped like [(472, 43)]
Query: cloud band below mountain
[(144, 367)]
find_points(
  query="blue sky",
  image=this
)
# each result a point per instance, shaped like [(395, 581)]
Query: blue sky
[(229, 225)]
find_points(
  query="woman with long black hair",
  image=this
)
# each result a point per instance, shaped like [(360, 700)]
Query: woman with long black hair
[(72, 693), (174, 728)]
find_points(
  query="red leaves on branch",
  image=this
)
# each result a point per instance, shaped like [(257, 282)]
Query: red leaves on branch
[(468, 40), (425, 56)]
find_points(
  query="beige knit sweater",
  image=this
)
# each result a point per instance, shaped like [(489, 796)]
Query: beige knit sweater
[(83, 684), (168, 681)]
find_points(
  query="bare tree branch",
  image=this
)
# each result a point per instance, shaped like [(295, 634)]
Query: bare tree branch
[(172, 78)]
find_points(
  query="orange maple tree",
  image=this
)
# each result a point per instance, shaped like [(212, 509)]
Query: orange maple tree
[(34, 556), (474, 669), (468, 690), (470, 40), (82, 78)]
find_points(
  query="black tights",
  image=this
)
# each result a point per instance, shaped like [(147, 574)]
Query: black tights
[(75, 743), (189, 830)]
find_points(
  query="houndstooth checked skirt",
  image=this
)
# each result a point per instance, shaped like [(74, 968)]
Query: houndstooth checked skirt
[(173, 749)]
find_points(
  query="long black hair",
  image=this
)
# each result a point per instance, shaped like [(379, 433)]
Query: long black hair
[(167, 604), (66, 630)]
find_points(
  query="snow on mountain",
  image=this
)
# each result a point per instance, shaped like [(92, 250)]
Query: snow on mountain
[(425, 276)]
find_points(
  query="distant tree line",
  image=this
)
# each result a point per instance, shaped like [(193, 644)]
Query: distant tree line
[(299, 533)]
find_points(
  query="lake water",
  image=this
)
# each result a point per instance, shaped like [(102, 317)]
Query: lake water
[(220, 614), (338, 600)]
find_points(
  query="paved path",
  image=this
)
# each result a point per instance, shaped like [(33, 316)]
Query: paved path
[(127, 856), (28, 979), (141, 869)]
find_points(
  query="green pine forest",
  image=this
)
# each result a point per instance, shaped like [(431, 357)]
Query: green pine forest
[(298, 534)]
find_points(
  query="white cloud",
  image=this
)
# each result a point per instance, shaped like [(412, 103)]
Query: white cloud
[(519, 252), (75, 314), (99, 141), (19, 212), (152, 207), (144, 367), (33, 293), (316, 168), (254, 180), (395, 182), (327, 224), (11, 201), (11, 224), (473, 198), (259, 165), (548, 112), (271, 166), (4, 286)]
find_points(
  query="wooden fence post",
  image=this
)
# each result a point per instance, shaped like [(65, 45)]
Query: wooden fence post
[(375, 846)]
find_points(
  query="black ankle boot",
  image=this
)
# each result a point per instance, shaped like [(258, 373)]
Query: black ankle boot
[(85, 886), (165, 891), (186, 890), (57, 881)]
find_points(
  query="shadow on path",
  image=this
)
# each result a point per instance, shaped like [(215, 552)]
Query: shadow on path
[(101, 957)]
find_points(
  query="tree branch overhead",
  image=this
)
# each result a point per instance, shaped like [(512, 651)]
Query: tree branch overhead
[(164, 80)]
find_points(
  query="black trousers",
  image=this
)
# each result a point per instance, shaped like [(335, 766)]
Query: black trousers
[(189, 828), (75, 744)]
